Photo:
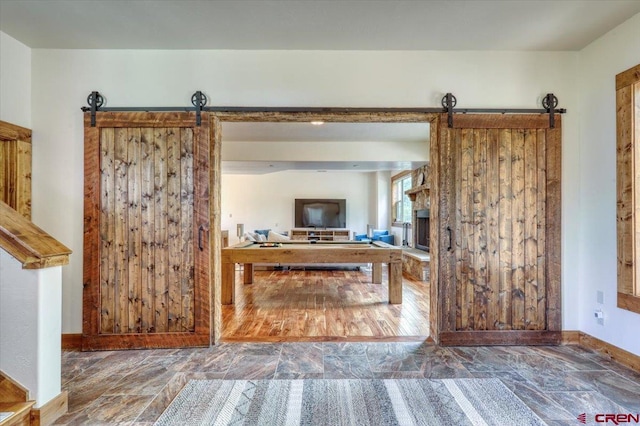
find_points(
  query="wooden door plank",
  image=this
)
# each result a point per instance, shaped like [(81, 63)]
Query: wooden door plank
[(187, 278), (107, 232), (211, 216), (461, 157), (121, 225), (493, 221), (499, 121), (437, 285), (517, 205), (446, 229), (161, 309), (133, 234), (147, 216), (91, 233), (467, 255), (541, 210), (173, 228), (480, 229), (553, 225), (505, 231), (530, 230)]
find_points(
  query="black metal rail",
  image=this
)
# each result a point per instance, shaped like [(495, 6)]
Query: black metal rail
[(199, 101)]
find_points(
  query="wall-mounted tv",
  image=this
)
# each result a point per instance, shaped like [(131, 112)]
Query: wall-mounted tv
[(320, 213)]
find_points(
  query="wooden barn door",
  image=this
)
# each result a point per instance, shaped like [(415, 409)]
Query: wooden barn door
[(146, 241), (499, 230)]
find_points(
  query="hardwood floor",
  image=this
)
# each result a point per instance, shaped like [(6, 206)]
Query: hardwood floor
[(325, 305)]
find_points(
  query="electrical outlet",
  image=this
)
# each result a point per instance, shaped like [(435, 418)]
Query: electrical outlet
[(600, 297), (599, 315)]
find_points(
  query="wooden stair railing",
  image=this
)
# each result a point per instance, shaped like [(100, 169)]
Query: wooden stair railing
[(34, 249), (30, 245)]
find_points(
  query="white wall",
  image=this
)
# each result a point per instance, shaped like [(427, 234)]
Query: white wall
[(30, 300), (15, 81), (598, 65), (30, 327), (62, 80), (267, 201)]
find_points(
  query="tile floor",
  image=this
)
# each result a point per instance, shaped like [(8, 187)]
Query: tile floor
[(134, 387)]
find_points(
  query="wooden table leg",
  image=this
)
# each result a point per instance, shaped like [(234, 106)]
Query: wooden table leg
[(228, 291), (248, 273), (376, 275), (395, 283)]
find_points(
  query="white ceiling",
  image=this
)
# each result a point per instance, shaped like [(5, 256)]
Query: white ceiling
[(327, 132), (313, 25)]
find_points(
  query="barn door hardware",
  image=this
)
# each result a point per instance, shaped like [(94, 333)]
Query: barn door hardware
[(95, 101), (448, 102), (550, 102), (549, 106), (199, 100), (448, 106)]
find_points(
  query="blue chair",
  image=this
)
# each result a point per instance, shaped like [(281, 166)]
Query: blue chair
[(378, 235), (383, 235)]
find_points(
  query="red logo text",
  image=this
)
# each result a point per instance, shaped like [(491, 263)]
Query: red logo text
[(617, 419)]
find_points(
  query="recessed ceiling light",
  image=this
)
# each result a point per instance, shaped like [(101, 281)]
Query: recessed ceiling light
[(317, 123)]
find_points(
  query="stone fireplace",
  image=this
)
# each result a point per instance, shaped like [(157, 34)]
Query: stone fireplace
[(416, 259), (421, 229)]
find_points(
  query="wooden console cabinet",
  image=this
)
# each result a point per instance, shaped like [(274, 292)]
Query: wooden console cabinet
[(320, 234)]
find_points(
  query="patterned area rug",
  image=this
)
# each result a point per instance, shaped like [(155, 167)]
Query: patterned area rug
[(348, 402)]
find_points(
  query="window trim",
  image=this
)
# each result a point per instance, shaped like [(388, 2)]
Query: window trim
[(394, 179), (628, 188)]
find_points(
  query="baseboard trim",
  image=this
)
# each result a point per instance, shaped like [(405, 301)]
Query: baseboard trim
[(72, 342), (617, 354), (570, 337), (51, 411)]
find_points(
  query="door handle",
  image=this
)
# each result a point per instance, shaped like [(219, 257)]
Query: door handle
[(200, 232), (449, 231)]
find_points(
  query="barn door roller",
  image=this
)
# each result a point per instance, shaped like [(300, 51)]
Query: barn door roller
[(96, 102), (549, 106)]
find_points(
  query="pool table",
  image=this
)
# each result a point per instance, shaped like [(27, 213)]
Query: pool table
[(375, 252)]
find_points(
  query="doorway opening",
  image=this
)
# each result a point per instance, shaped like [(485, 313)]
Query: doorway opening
[(283, 294)]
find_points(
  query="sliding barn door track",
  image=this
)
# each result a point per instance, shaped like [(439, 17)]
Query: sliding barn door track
[(96, 103)]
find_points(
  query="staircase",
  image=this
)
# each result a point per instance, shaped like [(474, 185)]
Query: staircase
[(15, 407)]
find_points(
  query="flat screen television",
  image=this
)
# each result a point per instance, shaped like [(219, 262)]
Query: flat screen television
[(320, 213)]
